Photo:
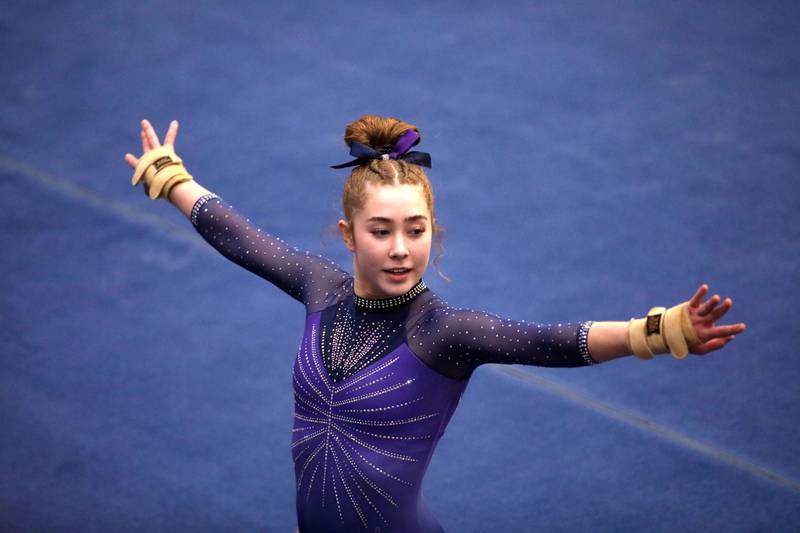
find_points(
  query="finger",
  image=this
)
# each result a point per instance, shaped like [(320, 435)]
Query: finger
[(698, 296), (720, 311), (145, 143), (131, 160), (726, 330), (152, 138), (171, 133), (712, 345), (708, 306)]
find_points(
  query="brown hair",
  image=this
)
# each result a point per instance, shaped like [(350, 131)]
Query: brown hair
[(381, 133)]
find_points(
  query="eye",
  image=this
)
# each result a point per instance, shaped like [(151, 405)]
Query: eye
[(416, 232), (380, 232)]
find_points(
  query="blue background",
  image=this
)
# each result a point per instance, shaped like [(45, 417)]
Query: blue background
[(590, 160)]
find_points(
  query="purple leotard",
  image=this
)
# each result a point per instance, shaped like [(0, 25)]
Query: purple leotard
[(375, 381)]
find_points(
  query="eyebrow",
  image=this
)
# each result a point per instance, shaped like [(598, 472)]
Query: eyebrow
[(389, 220)]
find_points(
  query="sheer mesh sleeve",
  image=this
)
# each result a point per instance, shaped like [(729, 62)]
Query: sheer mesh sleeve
[(456, 341), (313, 280)]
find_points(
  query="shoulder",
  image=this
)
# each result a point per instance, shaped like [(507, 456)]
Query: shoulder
[(434, 313), (328, 295), (440, 312)]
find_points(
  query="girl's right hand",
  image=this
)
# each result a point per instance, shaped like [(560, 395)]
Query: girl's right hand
[(150, 142)]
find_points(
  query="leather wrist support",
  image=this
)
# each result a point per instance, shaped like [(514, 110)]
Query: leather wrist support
[(662, 331), (161, 169)]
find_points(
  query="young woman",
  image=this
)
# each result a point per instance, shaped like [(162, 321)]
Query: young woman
[(384, 361)]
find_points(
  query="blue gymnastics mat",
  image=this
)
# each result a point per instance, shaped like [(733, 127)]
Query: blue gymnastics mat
[(590, 160)]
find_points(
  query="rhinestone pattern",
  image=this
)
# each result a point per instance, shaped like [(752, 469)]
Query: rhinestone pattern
[(457, 341), (386, 303), (361, 446), (313, 280), (375, 381), (583, 342), (352, 341), (359, 331), (198, 205)]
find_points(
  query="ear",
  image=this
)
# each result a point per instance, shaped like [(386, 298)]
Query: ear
[(347, 235)]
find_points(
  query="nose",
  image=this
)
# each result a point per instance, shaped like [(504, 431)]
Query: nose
[(398, 249)]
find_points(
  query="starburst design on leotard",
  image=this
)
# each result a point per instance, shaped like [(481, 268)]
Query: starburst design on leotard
[(354, 344), (335, 421)]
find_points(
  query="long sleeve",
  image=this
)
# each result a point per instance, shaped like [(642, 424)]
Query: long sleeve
[(310, 279), (456, 341)]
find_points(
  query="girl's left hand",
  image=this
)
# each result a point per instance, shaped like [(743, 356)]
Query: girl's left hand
[(704, 315)]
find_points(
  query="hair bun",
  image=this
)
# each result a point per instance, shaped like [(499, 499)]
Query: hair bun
[(375, 131)]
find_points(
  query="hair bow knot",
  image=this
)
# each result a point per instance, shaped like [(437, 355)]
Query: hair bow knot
[(400, 151)]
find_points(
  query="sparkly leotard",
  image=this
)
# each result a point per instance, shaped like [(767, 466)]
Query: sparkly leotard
[(375, 381)]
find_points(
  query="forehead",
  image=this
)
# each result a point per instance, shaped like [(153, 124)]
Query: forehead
[(394, 201)]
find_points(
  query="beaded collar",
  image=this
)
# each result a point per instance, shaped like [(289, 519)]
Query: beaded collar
[(394, 301)]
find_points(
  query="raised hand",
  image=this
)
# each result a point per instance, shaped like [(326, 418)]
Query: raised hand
[(150, 140), (704, 315)]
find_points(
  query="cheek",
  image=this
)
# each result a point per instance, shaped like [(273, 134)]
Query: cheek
[(423, 249), (367, 249)]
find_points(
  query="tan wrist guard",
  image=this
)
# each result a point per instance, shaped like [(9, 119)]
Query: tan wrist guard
[(161, 170), (662, 331)]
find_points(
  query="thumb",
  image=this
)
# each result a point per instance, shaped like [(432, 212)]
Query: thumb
[(131, 160)]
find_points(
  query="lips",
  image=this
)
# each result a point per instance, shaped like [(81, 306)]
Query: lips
[(399, 275)]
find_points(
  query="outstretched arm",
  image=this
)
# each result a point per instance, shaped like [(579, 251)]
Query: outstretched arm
[(609, 340), (311, 279), (456, 341)]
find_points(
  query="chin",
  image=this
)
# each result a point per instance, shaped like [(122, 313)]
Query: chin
[(390, 291), (397, 289)]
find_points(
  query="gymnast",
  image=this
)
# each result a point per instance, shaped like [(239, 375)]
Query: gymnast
[(384, 361)]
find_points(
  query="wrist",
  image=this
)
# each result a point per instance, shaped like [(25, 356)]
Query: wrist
[(662, 331), (184, 195), (161, 170)]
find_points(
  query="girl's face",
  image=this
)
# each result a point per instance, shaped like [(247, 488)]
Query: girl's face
[(390, 239)]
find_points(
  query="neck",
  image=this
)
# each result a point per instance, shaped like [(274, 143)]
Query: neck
[(384, 302)]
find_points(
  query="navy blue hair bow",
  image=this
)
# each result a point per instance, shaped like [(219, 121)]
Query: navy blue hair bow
[(363, 153)]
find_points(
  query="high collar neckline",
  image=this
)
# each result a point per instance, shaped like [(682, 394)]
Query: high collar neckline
[(394, 301)]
